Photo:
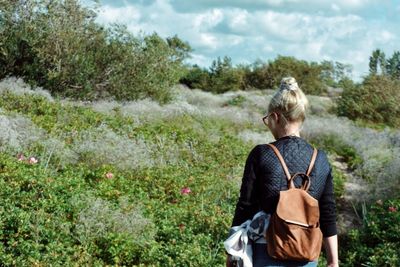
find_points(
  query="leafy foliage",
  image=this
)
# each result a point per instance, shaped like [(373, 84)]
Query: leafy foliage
[(375, 100), (376, 243), (110, 209), (223, 76), (58, 45)]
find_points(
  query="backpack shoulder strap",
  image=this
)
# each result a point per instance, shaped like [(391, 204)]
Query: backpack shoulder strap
[(285, 168), (314, 156)]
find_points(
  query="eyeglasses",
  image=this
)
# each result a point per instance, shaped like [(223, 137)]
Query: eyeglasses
[(265, 118)]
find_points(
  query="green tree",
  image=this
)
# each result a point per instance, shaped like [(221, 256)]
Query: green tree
[(196, 77), (181, 49), (308, 75), (59, 45), (224, 77), (377, 59), (257, 76), (375, 100), (333, 73), (393, 65)]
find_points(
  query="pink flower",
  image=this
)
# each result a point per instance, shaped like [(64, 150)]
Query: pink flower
[(392, 209), (109, 175), (186, 191), (32, 160), (20, 157)]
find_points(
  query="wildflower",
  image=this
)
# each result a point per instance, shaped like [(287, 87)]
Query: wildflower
[(20, 157), (186, 191), (32, 160), (392, 209), (109, 175)]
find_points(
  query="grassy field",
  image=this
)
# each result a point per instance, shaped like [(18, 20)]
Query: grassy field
[(142, 184)]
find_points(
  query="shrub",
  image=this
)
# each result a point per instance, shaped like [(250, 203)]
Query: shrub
[(376, 243), (58, 45), (307, 74), (373, 155), (224, 77), (221, 77), (115, 234), (18, 133), (375, 100), (196, 78), (17, 86)]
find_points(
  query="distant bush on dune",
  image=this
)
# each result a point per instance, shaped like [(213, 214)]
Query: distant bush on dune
[(58, 45), (313, 77), (375, 100)]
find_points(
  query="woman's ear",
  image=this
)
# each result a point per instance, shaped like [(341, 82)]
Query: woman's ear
[(276, 117)]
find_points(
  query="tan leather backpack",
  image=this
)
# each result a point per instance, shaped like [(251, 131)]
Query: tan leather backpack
[(293, 232)]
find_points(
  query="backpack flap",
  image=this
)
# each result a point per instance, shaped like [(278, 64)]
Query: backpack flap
[(298, 207)]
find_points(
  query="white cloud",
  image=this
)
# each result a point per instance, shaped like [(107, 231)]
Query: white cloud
[(335, 7), (353, 3), (267, 48), (387, 36), (208, 41), (124, 15), (208, 19), (337, 31), (238, 20), (200, 60), (311, 6)]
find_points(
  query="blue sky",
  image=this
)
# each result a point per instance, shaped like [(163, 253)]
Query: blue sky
[(314, 30)]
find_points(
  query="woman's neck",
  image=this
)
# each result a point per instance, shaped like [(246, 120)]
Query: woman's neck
[(292, 134), (289, 132)]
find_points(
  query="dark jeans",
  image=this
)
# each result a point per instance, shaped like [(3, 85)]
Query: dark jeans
[(262, 259)]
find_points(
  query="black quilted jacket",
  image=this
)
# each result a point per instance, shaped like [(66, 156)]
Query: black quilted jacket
[(264, 177)]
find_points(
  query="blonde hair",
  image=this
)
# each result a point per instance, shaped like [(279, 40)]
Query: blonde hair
[(290, 101)]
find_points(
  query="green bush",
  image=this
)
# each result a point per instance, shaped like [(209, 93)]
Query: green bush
[(332, 143), (236, 101), (196, 78), (222, 76), (377, 242), (74, 215), (58, 45), (375, 100), (307, 74)]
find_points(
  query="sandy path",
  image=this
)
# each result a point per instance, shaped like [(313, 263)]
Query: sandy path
[(354, 189)]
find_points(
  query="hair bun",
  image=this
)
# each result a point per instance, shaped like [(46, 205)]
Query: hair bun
[(289, 83)]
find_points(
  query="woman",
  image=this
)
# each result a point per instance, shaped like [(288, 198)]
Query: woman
[(264, 177)]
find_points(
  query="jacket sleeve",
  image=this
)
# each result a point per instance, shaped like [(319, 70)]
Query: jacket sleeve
[(327, 207), (247, 204)]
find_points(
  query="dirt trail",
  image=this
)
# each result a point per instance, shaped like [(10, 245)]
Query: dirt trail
[(354, 189)]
